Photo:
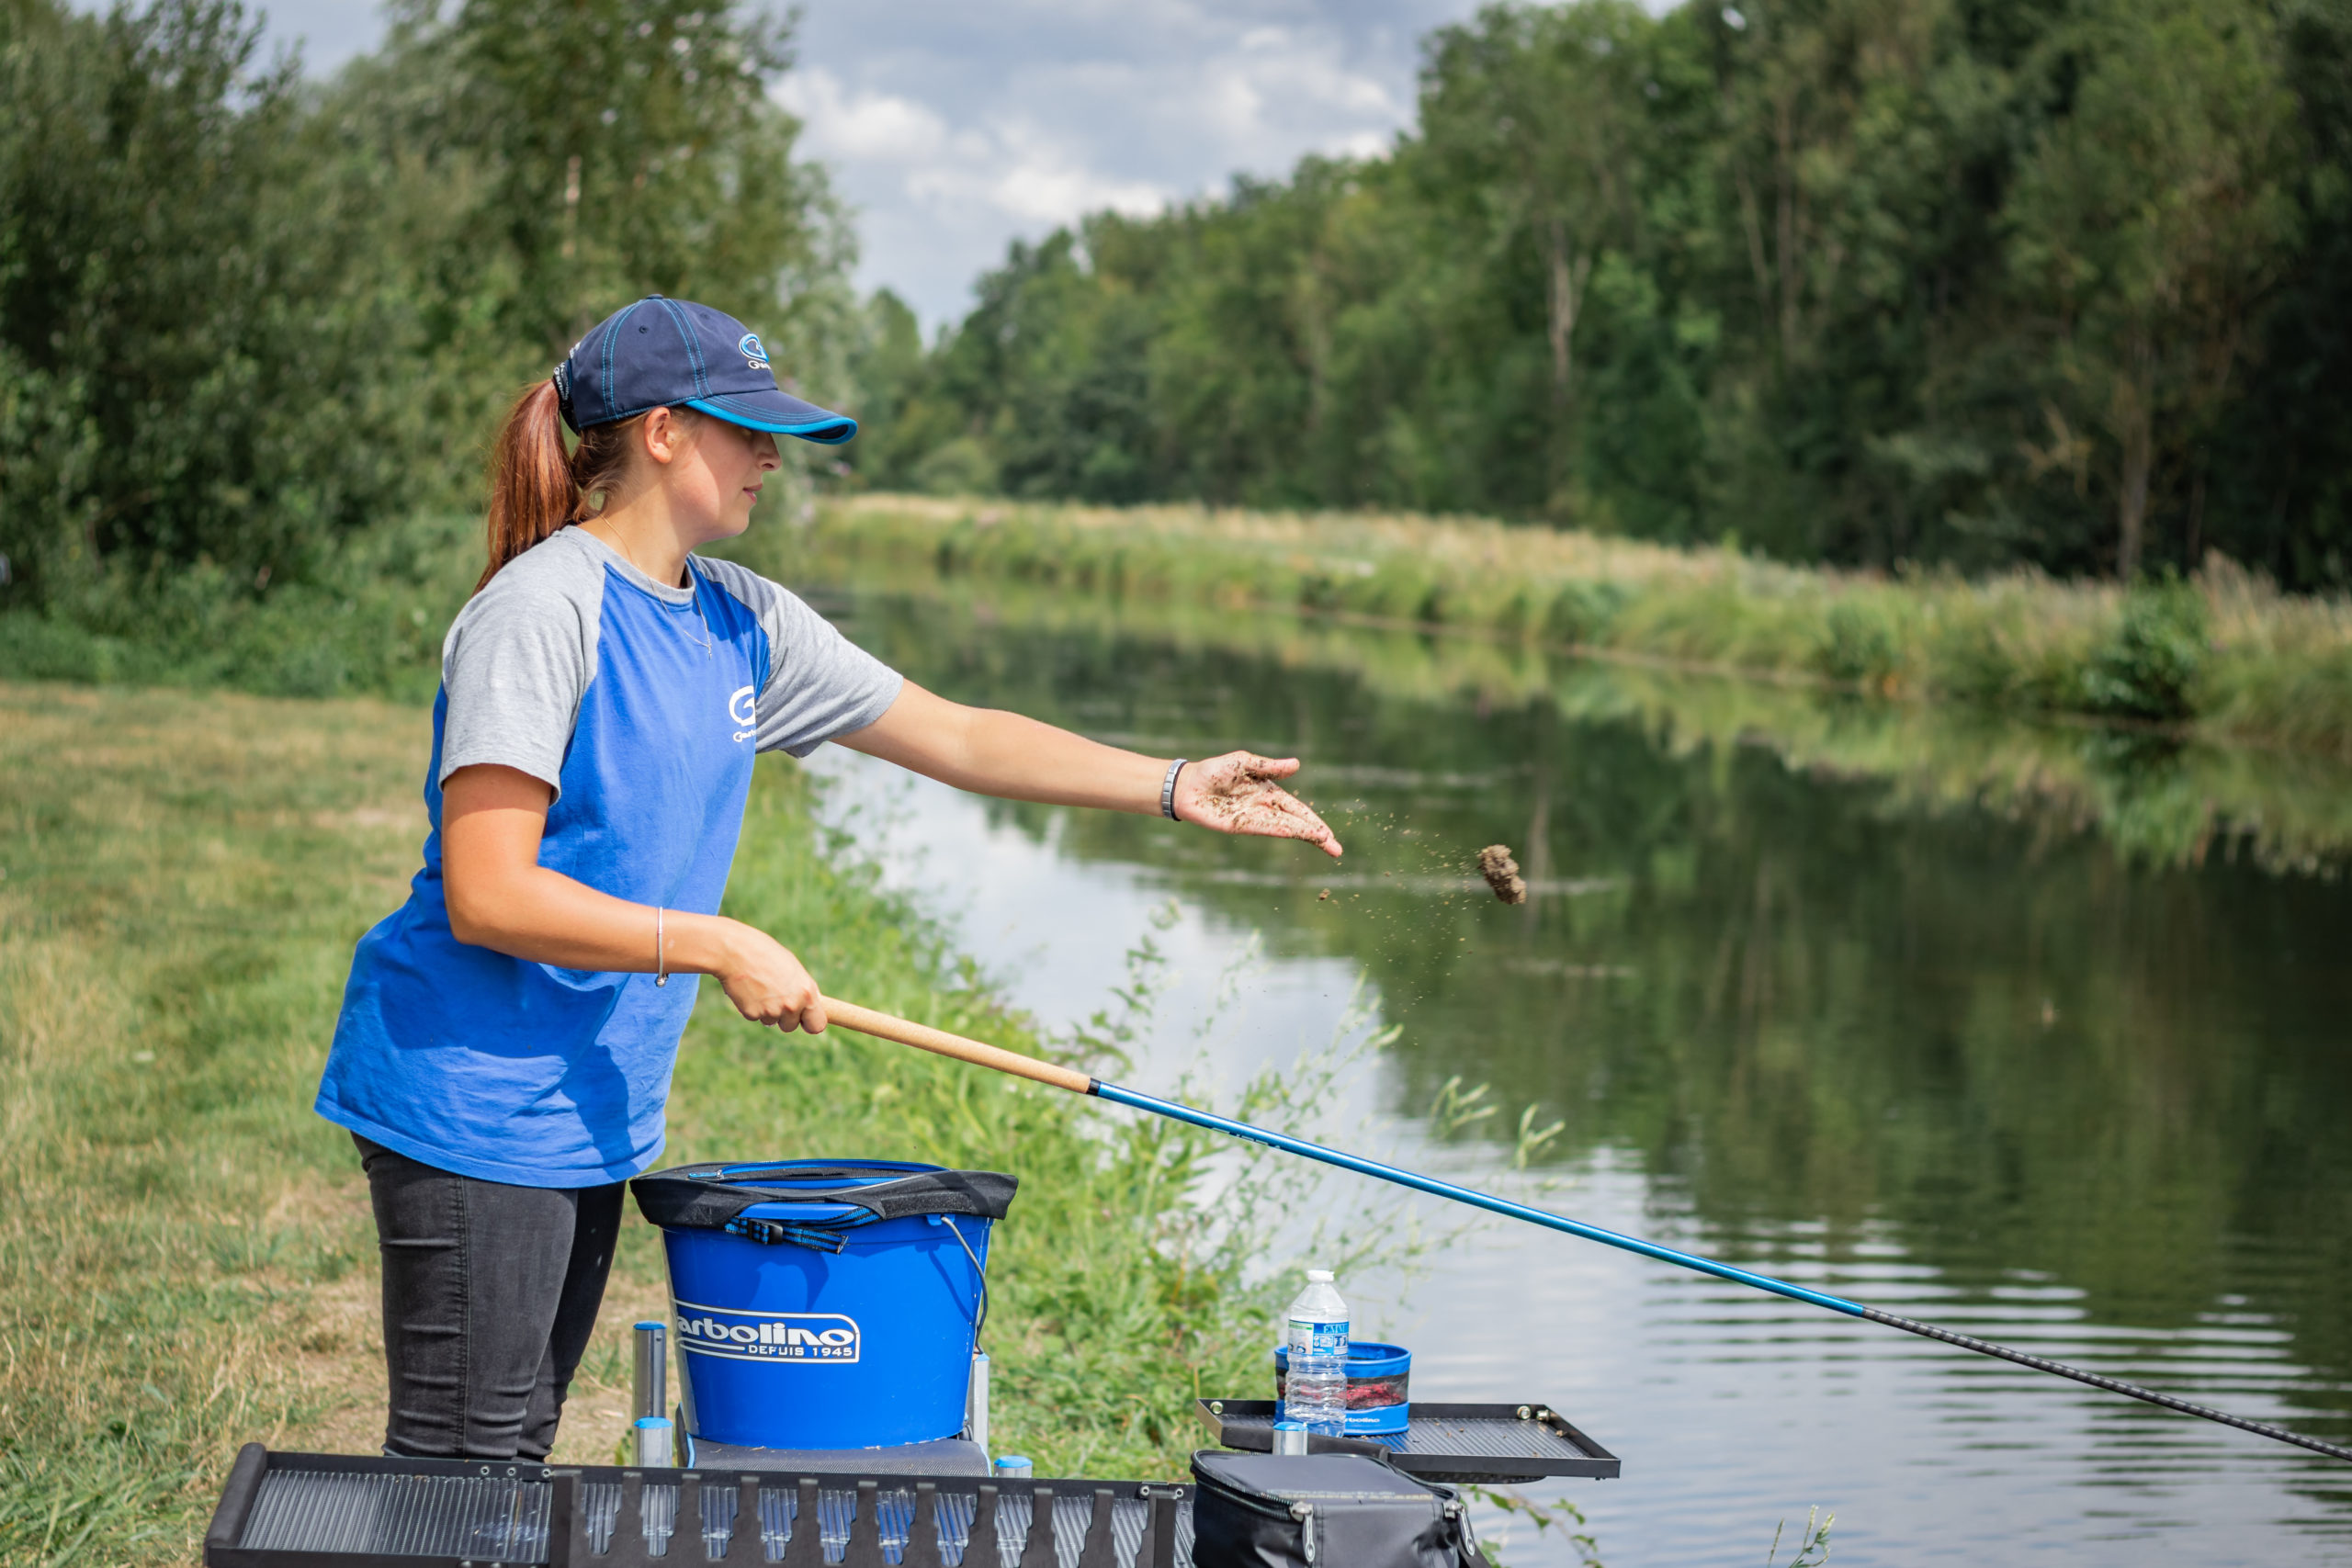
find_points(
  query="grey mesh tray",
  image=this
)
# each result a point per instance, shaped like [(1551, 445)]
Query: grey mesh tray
[(338, 1511), (1459, 1443)]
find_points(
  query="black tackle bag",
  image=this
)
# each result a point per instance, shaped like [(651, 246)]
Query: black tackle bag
[(1323, 1511)]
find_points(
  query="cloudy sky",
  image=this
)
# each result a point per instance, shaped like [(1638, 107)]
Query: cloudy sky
[(956, 128)]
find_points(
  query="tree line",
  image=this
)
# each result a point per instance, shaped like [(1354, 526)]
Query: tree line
[(1965, 282), (244, 315)]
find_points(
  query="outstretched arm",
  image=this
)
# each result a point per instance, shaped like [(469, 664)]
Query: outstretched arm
[(990, 751)]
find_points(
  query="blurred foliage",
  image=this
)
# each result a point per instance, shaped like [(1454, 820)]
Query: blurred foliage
[(2148, 665), (242, 316), (1972, 282)]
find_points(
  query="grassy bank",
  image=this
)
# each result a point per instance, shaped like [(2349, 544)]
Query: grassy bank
[(2174, 793), (2223, 655), (2160, 796), (186, 1259)]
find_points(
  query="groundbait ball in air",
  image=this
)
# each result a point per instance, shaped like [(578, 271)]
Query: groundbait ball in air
[(1501, 873)]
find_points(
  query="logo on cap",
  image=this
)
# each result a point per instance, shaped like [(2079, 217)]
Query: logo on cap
[(753, 355)]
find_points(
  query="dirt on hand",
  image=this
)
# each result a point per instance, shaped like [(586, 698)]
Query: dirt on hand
[(1501, 871)]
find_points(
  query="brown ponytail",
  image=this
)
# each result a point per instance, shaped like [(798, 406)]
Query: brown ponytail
[(536, 487)]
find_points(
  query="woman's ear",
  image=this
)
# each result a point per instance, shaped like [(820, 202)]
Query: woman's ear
[(664, 434)]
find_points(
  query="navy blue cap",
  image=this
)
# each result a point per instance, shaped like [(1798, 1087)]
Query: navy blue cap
[(672, 353)]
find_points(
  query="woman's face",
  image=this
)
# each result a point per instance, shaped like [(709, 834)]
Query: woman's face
[(714, 471)]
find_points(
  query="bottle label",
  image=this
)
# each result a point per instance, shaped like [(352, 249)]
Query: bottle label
[(1308, 1338)]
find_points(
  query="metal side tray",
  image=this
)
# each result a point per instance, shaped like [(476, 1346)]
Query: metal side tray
[(1461, 1443), (341, 1511)]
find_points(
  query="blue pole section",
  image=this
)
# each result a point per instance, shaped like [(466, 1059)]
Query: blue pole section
[(1475, 1199), (922, 1037), (1691, 1260)]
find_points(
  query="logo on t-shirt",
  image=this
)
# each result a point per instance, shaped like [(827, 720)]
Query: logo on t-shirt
[(744, 708)]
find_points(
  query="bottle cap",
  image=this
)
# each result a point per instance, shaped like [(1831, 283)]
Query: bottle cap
[(1319, 1276)]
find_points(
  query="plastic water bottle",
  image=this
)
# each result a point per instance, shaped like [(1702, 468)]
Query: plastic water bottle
[(1315, 1394)]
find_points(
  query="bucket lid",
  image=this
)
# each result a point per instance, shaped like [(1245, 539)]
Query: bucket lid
[(705, 1197)]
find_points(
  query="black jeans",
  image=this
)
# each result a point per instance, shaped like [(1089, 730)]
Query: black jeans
[(490, 1293)]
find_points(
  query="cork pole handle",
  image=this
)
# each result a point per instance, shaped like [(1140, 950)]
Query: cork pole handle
[(922, 1037)]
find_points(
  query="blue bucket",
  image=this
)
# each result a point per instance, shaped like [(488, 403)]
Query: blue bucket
[(825, 1303), (1379, 1387)]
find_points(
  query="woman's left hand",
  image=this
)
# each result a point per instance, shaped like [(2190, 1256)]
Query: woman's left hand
[(1236, 793)]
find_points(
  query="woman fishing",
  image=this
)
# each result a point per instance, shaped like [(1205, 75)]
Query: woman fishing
[(507, 1034)]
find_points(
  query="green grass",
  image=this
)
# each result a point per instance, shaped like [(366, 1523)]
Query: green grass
[(185, 1259), (2225, 656)]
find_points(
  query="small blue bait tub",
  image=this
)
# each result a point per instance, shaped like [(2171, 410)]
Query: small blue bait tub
[(825, 1303), (1379, 1387)]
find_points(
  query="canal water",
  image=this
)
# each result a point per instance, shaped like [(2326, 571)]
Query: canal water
[(1985, 1069)]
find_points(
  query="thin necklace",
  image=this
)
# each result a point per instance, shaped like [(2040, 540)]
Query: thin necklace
[(693, 587)]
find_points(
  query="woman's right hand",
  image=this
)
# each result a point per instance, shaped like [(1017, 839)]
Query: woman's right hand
[(768, 983)]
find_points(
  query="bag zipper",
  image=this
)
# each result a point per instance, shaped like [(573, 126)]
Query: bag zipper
[(1257, 1503)]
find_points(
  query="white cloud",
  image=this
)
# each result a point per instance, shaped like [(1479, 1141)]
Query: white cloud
[(955, 131), (881, 127), (1012, 164), (1051, 194)]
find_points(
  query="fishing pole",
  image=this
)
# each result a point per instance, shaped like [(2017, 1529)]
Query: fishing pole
[(922, 1037)]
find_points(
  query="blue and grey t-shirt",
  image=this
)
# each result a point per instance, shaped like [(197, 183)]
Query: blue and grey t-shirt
[(642, 704)]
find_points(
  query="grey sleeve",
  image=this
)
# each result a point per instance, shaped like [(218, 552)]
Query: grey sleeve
[(819, 683), (518, 659)]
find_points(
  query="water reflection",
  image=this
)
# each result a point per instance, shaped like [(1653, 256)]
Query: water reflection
[(1981, 1069)]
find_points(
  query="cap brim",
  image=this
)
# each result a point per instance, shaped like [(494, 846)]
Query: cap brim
[(779, 412)]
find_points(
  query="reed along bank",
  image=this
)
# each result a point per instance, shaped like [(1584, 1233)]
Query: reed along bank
[(2220, 654)]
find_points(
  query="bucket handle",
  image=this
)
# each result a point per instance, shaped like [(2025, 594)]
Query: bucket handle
[(979, 1273), (812, 1233), (775, 1231)]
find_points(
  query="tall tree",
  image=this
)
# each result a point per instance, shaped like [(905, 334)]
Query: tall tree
[(174, 336), (619, 147), (2145, 228), (1535, 114)]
